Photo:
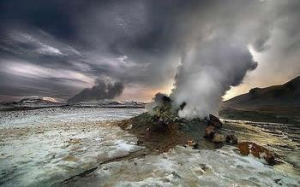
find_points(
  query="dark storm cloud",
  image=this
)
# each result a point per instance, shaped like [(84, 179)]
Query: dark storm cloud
[(137, 41), (101, 90)]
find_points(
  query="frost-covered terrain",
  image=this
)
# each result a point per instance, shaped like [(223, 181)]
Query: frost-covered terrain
[(189, 167), (67, 115), (39, 147), (46, 147)]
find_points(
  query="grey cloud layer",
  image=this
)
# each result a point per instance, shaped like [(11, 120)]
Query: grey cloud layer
[(136, 41)]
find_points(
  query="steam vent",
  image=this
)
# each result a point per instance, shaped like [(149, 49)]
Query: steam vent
[(161, 129)]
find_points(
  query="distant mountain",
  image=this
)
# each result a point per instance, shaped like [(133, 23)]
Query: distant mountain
[(287, 94), (107, 103), (30, 103), (38, 100), (34, 102)]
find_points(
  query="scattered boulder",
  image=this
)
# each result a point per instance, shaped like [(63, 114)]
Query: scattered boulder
[(231, 139), (175, 175), (209, 132), (214, 121), (257, 151), (196, 146), (218, 138)]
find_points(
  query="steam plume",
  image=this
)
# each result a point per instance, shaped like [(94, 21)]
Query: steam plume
[(206, 72), (101, 90)]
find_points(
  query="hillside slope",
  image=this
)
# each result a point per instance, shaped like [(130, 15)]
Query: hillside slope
[(284, 95)]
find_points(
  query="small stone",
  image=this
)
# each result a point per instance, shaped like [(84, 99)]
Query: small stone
[(209, 132), (139, 142), (175, 175), (204, 167), (277, 181), (196, 146), (231, 139), (218, 138)]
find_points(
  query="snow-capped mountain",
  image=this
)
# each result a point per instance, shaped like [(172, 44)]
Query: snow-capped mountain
[(31, 102)]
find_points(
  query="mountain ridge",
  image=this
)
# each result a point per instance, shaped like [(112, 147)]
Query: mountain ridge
[(278, 95)]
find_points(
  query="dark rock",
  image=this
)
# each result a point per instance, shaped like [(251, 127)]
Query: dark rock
[(214, 121), (139, 142), (277, 181), (196, 146), (204, 167), (231, 139), (175, 175)]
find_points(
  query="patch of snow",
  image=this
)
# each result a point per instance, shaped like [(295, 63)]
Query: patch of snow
[(40, 147), (189, 167)]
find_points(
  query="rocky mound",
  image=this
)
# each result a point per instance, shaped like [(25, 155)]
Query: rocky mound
[(161, 129)]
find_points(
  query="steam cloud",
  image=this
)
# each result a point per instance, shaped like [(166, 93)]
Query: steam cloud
[(142, 42), (101, 90), (206, 72)]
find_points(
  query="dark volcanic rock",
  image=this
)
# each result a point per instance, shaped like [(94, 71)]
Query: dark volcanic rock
[(231, 139), (214, 121)]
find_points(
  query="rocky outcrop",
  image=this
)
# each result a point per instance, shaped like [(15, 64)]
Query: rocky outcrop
[(257, 151), (161, 128), (214, 121), (212, 134)]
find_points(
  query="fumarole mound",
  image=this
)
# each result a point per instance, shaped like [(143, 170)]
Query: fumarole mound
[(161, 129)]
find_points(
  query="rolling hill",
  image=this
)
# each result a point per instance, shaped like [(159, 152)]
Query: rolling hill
[(286, 95)]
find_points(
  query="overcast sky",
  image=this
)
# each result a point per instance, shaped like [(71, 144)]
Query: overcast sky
[(58, 48)]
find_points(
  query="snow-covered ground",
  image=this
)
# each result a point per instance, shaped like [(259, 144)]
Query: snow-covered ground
[(189, 167), (40, 147), (46, 146), (69, 115)]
